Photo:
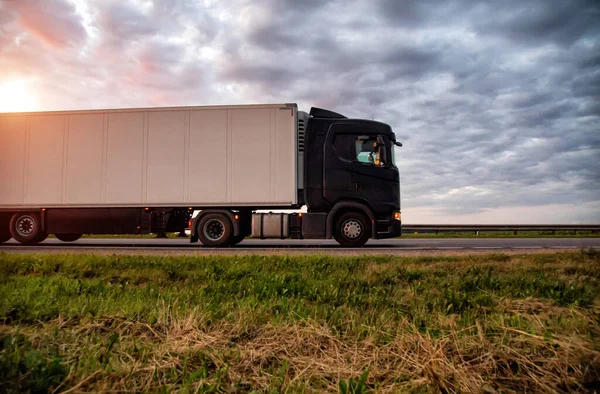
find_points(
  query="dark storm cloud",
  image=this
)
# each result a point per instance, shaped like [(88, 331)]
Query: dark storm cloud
[(405, 12), (561, 22), (532, 21), (275, 37), (411, 62)]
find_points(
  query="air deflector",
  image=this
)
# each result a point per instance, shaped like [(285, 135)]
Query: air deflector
[(325, 113)]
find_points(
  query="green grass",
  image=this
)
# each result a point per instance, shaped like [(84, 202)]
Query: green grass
[(302, 323)]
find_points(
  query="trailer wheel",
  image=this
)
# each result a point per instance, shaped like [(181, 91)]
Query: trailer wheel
[(27, 228), (215, 229), (352, 230), (68, 237)]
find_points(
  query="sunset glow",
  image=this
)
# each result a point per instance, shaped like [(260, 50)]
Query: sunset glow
[(15, 96)]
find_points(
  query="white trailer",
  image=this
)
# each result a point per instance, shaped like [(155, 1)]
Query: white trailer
[(159, 157)]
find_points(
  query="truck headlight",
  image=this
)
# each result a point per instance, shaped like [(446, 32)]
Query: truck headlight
[(397, 215)]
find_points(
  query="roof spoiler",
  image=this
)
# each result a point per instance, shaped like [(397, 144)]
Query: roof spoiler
[(325, 113)]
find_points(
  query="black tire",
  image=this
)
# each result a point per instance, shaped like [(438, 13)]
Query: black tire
[(68, 237), (26, 227), (41, 237), (215, 229), (352, 229), (236, 239), (4, 228)]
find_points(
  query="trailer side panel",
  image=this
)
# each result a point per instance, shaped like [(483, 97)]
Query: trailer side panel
[(172, 157)]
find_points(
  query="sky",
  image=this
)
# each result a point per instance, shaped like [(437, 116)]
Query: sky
[(497, 103)]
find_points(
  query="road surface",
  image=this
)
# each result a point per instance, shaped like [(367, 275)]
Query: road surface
[(257, 246)]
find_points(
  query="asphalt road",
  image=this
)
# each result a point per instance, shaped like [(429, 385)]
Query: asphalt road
[(252, 245)]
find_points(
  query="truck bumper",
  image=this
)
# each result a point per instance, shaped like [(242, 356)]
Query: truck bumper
[(388, 228)]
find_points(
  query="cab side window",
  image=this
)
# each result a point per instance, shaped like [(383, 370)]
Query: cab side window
[(366, 150), (344, 146), (358, 148)]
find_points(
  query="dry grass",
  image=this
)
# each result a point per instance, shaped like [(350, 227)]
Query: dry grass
[(309, 356), (544, 343)]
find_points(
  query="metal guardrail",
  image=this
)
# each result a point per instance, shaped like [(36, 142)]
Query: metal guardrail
[(428, 228)]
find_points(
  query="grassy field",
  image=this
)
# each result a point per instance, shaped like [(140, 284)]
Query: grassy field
[(492, 323)]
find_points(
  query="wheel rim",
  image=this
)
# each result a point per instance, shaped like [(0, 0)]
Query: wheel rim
[(25, 226), (214, 230), (352, 229)]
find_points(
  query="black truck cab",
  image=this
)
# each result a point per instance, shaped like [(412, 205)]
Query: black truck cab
[(349, 167)]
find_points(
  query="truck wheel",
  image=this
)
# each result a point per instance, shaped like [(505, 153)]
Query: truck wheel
[(27, 228), (352, 230), (41, 237), (68, 237), (215, 229), (236, 239)]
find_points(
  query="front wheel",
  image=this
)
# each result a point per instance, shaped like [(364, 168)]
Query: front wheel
[(27, 228), (68, 237), (352, 230), (215, 229)]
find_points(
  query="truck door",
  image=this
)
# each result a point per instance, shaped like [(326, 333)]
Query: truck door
[(358, 166)]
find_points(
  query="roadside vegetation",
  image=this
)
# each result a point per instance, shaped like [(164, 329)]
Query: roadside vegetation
[(485, 323)]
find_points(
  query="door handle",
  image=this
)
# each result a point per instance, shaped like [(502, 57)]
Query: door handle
[(357, 186)]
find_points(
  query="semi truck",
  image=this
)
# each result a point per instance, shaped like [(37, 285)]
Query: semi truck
[(147, 170)]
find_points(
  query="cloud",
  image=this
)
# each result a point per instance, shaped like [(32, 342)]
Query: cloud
[(53, 22), (497, 103)]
